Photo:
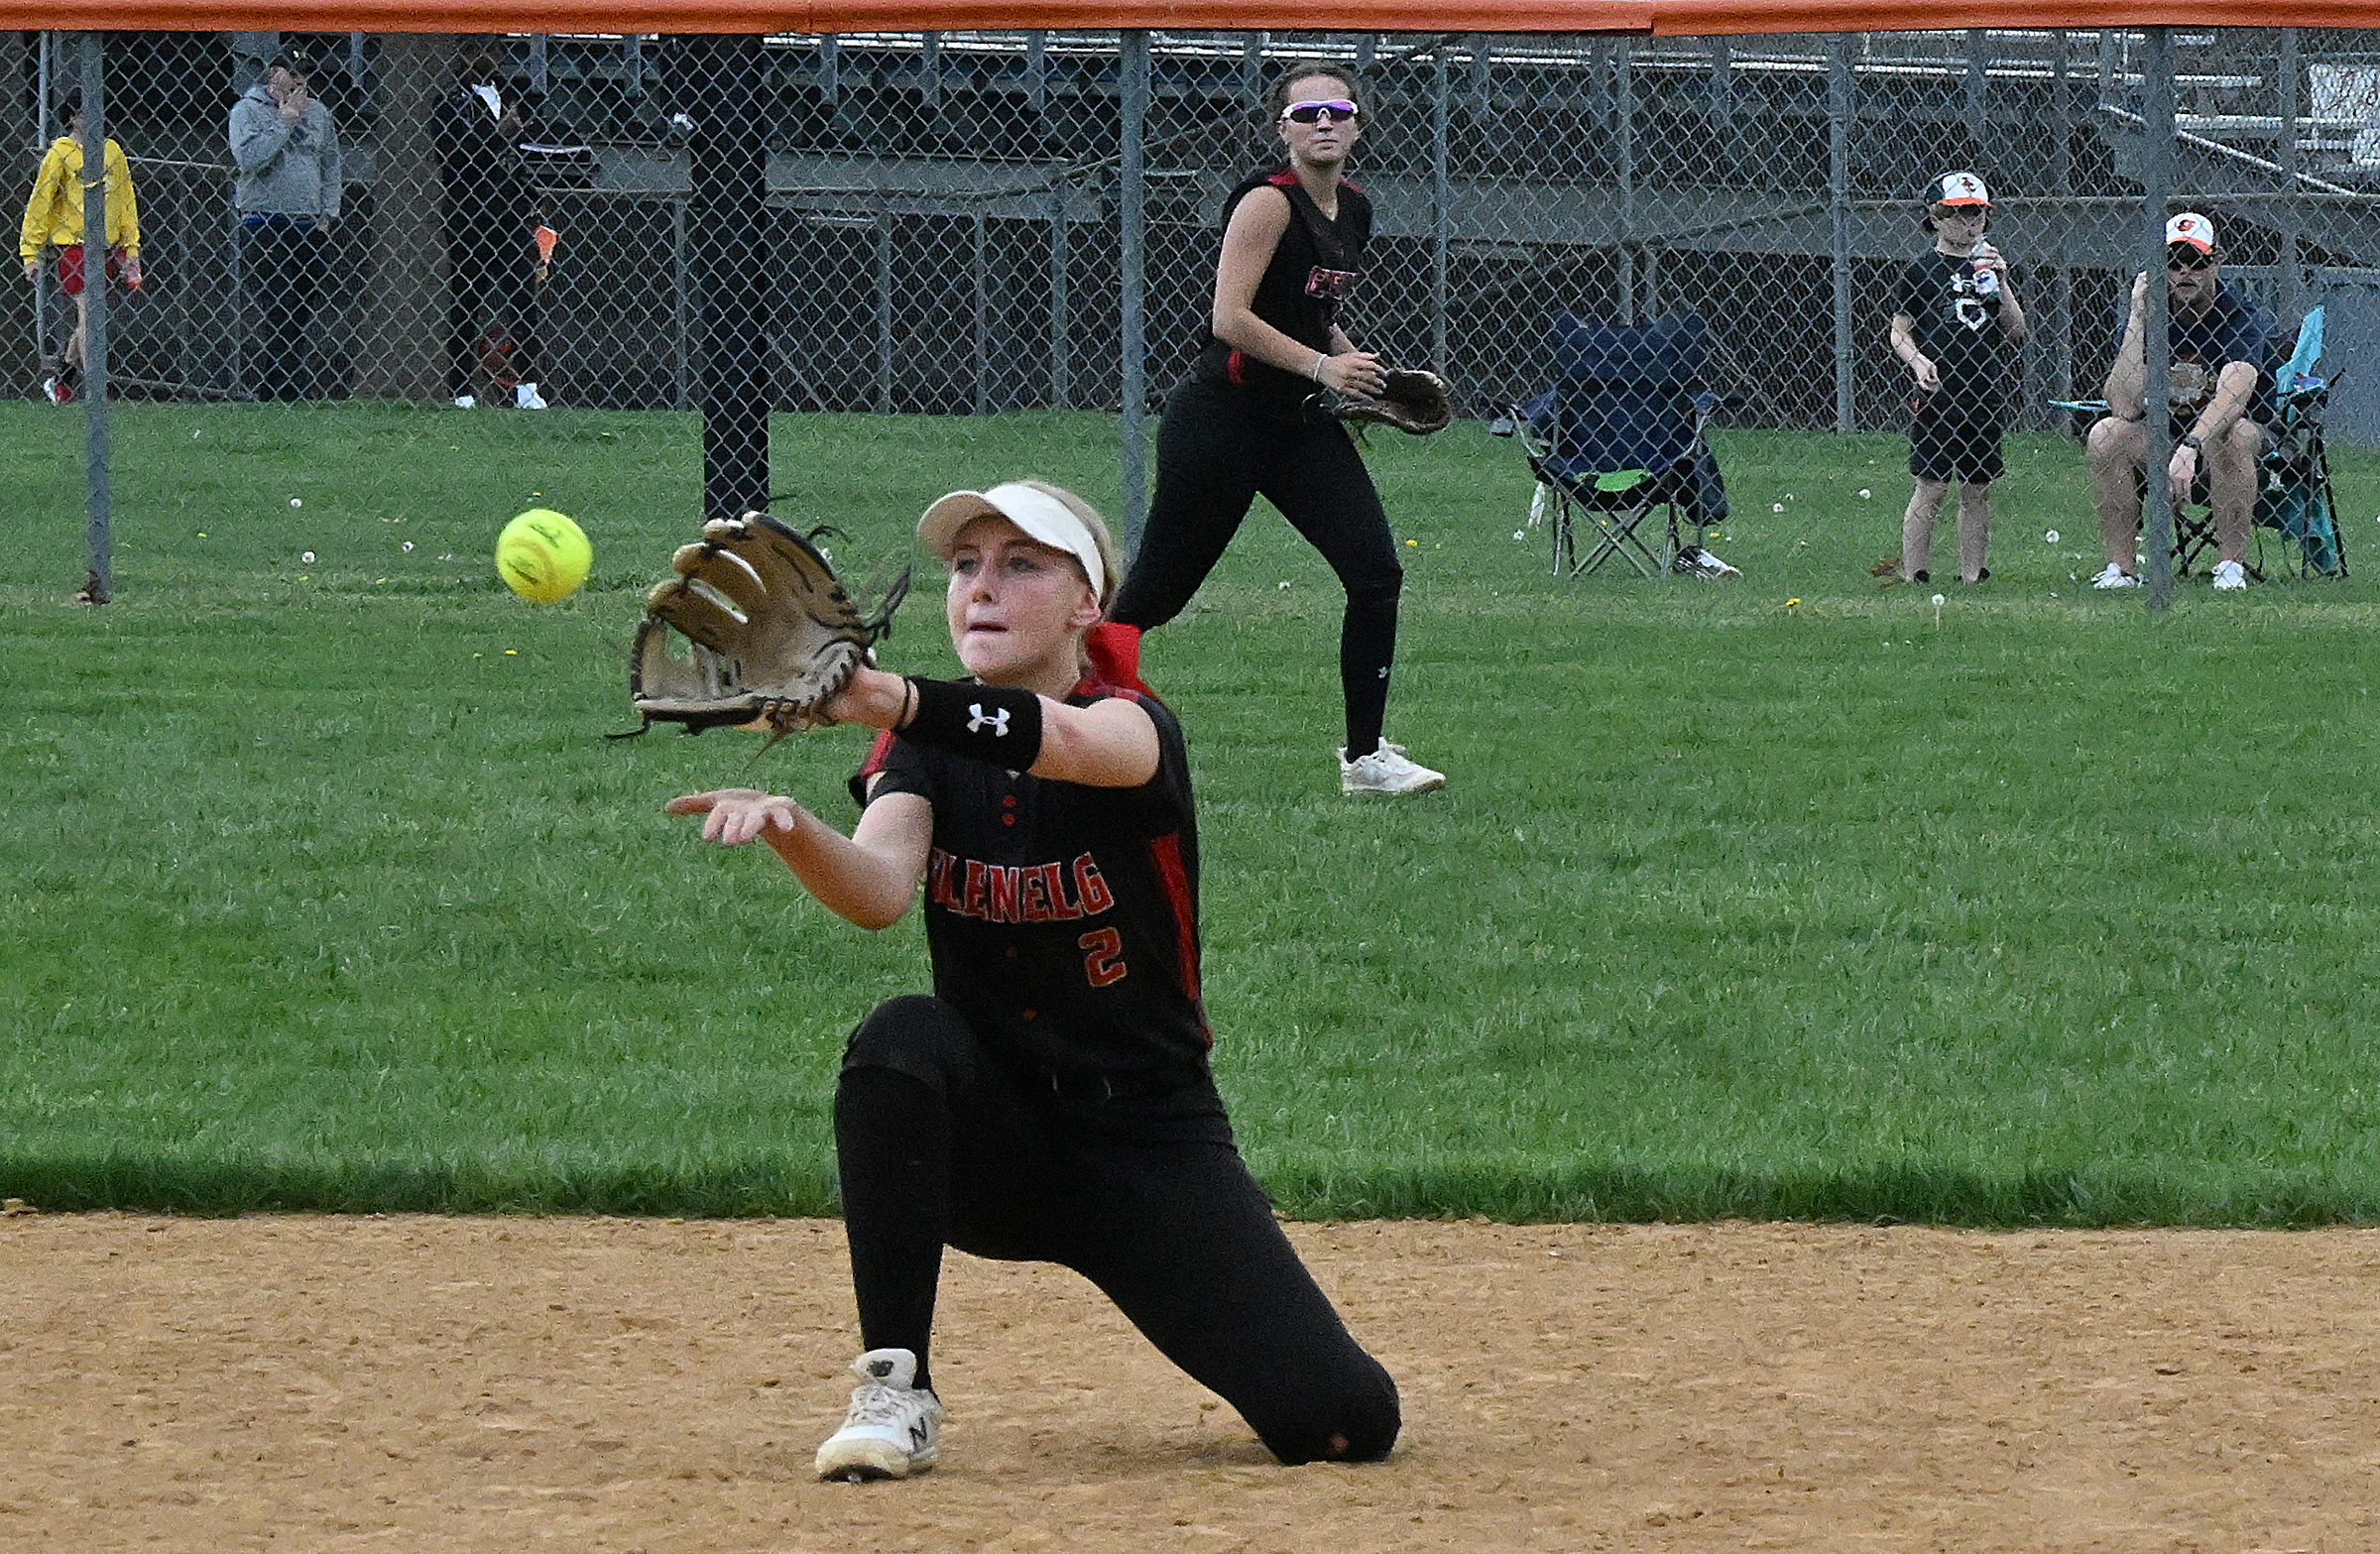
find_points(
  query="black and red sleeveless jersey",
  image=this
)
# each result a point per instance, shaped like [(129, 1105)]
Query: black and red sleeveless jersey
[(1313, 266), (1063, 919)]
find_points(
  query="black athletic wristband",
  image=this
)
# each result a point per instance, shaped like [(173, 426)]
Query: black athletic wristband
[(988, 723)]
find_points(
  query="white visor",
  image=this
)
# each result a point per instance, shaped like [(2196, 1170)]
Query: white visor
[(1043, 517)]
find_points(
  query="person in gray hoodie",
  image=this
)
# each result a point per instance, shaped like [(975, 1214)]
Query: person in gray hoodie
[(286, 191)]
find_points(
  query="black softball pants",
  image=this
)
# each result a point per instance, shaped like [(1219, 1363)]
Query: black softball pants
[(1217, 453), (940, 1144)]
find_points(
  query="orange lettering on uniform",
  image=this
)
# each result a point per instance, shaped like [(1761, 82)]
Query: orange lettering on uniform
[(1004, 893), (1097, 897), (1062, 906)]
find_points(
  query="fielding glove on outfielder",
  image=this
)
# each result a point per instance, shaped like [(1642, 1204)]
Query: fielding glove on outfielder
[(1411, 400), (773, 634)]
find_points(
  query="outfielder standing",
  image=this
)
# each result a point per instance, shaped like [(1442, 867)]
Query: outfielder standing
[(1052, 1099), (1240, 425), (1955, 326)]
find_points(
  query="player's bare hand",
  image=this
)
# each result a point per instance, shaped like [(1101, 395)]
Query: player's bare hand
[(1927, 373), (1987, 256), (2181, 473), (1354, 372), (132, 271), (733, 816), (2140, 291), (33, 269)]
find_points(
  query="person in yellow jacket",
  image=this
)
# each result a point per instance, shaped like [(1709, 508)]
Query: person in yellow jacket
[(54, 220)]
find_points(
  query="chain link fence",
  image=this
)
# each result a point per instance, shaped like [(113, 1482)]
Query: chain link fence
[(951, 226)]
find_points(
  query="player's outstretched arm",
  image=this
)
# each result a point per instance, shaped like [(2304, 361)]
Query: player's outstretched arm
[(1109, 744), (869, 877)]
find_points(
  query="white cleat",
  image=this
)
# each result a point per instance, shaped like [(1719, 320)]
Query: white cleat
[(1386, 771), (2230, 577), (526, 396), (1695, 561), (892, 1427), (2115, 577)]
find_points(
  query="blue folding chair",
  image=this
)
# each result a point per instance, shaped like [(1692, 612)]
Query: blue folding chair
[(1618, 439)]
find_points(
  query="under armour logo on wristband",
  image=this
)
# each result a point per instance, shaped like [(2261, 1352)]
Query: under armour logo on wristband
[(999, 720)]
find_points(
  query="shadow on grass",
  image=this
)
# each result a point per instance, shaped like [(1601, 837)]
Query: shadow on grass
[(215, 1189), (1614, 1195), (1881, 1195)]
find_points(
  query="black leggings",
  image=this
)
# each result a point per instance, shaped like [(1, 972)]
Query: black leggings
[(940, 1144), (1216, 454)]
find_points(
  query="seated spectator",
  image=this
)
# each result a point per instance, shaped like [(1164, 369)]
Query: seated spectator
[(2222, 376)]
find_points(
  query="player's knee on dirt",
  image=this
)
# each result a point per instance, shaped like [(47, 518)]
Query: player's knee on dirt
[(1355, 1421)]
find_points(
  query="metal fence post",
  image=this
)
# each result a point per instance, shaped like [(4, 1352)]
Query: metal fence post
[(982, 398), (2155, 188), (2061, 310), (1059, 325), (1134, 348), (1623, 114), (883, 306), (2293, 266), (1838, 216), (1442, 216), (101, 585)]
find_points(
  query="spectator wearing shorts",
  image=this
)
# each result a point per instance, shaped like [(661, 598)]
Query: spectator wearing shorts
[(1955, 326), (2220, 397), (53, 220)]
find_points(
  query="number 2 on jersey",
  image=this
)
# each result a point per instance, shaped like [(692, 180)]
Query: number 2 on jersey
[(1102, 956)]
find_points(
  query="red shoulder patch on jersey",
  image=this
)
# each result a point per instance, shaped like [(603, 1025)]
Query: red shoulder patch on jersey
[(1283, 178), (878, 754), (1351, 184), (1114, 653)]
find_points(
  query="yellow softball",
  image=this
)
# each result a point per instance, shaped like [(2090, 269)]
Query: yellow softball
[(544, 556)]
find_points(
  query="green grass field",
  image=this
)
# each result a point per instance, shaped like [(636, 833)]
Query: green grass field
[(1787, 896)]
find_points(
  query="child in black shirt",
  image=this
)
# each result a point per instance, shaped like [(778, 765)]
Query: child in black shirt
[(1956, 325)]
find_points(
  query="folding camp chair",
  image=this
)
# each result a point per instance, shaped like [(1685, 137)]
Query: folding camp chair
[(2293, 477), (1618, 439)]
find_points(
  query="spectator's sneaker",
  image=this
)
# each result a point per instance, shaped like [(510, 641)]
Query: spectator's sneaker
[(526, 396), (1386, 771), (2115, 577), (892, 1427), (2230, 577), (1695, 561), (464, 401)]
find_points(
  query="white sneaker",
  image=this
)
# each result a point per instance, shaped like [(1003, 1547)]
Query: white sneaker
[(1386, 771), (526, 396), (893, 1426), (2115, 577), (1695, 561), (464, 401), (2228, 576)]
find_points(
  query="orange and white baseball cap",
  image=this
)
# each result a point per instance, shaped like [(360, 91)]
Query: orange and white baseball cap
[(2191, 228), (1958, 188)]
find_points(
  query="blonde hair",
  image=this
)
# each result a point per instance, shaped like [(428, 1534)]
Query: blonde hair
[(1108, 562)]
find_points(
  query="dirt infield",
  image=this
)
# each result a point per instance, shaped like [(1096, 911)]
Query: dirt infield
[(617, 1384)]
